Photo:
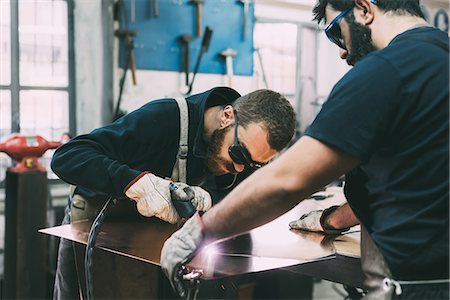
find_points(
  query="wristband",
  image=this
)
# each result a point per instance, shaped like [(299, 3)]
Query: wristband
[(327, 228), (135, 180)]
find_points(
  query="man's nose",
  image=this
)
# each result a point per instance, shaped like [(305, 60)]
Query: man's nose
[(343, 53), (238, 167)]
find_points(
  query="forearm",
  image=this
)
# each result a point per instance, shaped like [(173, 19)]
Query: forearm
[(342, 217), (247, 207), (276, 188)]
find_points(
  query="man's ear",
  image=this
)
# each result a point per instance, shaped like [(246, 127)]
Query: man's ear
[(227, 116), (364, 12)]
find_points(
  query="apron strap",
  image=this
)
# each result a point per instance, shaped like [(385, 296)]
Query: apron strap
[(374, 268), (179, 169)]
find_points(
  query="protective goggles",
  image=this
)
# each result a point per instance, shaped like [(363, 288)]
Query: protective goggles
[(238, 153), (333, 30)]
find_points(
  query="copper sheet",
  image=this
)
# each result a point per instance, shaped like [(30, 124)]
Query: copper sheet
[(142, 240), (348, 244), (270, 246)]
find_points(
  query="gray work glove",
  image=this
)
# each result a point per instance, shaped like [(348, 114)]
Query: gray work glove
[(152, 196), (179, 249), (316, 221)]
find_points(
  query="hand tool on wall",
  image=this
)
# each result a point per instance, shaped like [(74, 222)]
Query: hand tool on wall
[(264, 78), (229, 54), (129, 43), (185, 39), (128, 35), (198, 8), (155, 9), (132, 11), (246, 4), (152, 9), (204, 48)]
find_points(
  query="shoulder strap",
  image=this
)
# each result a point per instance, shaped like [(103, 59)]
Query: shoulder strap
[(424, 38), (179, 169)]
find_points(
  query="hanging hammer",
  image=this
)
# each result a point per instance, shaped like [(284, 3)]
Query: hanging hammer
[(129, 35), (246, 4), (198, 8), (155, 9), (229, 54), (133, 11)]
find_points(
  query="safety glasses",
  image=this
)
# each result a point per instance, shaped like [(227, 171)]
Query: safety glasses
[(333, 30), (238, 153)]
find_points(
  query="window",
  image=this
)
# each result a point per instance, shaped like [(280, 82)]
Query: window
[(36, 72), (285, 61), (276, 57)]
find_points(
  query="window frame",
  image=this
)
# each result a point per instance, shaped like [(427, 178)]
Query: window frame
[(15, 87), (297, 96)]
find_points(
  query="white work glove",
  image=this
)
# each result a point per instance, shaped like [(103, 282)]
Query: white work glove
[(179, 249), (153, 198), (316, 221)]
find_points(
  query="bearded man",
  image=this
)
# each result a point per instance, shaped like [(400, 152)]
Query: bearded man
[(133, 157), (385, 126)]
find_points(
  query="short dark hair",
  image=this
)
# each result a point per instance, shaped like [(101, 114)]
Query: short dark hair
[(271, 109), (399, 7)]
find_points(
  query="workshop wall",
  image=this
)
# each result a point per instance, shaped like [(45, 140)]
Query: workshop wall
[(151, 84), (96, 92), (88, 60), (158, 52), (93, 85), (158, 34), (437, 13), (276, 11)]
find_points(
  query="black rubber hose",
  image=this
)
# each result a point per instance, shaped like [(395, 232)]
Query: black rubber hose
[(95, 229)]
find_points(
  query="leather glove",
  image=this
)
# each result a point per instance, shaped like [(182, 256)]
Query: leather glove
[(179, 249), (152, 196), (316, 221)]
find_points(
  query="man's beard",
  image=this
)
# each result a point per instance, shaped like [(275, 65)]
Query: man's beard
[(214, 162), (360, 41)]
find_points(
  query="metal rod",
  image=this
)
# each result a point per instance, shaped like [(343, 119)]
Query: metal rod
[(15, 70)]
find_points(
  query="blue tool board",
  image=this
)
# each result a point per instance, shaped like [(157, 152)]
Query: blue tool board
[(157, 45)]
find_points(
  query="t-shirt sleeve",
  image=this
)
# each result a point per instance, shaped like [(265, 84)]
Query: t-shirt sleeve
[(359, 109)]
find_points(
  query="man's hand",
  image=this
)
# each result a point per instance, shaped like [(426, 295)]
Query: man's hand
[(153, 198), (316, 221), (179, 249)]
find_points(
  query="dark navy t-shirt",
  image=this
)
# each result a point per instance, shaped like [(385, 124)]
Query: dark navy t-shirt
[(391, 111)]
